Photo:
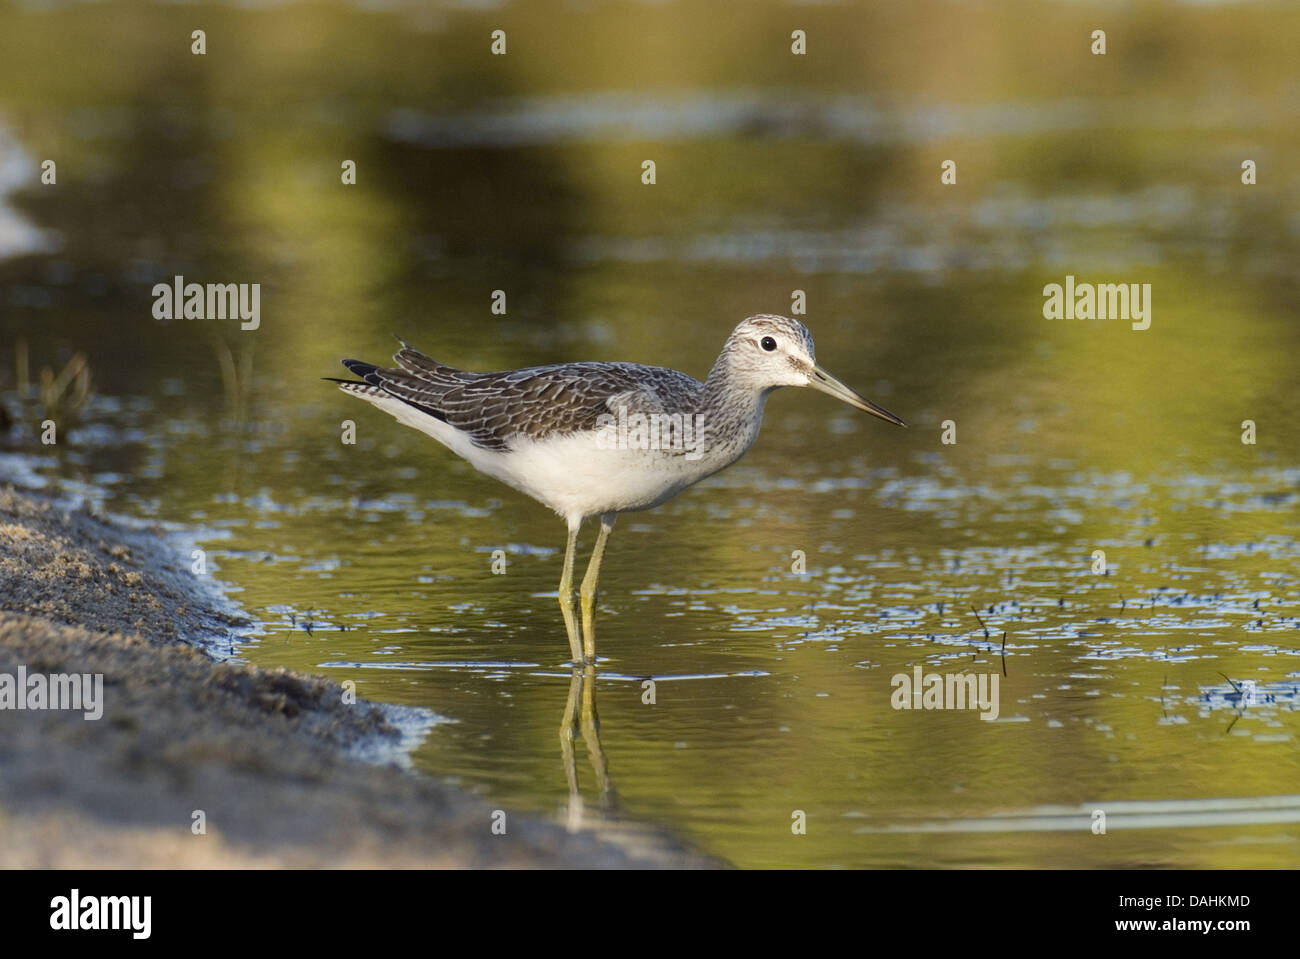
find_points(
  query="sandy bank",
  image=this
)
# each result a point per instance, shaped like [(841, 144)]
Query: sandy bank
[(267, 756)]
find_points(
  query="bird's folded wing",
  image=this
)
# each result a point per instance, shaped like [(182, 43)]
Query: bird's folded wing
[(496, 408)]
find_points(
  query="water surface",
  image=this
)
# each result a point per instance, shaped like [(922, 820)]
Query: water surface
[(1120, 688)]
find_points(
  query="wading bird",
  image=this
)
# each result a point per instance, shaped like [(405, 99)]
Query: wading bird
[(599, 439)]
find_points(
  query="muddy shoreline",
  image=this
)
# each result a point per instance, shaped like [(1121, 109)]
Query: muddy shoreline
[(266, 758)]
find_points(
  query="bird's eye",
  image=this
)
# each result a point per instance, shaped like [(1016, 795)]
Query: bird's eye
[(768, 343)]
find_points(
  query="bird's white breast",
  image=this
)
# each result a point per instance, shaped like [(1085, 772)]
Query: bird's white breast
[(579, 475)]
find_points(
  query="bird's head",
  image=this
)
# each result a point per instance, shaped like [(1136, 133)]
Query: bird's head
[(769, 351)]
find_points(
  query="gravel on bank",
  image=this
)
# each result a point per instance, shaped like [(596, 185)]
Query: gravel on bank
[(267, 757)]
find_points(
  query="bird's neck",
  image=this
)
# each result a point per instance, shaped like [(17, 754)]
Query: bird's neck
[(732, 408)]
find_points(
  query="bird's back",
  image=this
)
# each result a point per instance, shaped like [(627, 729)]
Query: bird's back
[(494, 409)]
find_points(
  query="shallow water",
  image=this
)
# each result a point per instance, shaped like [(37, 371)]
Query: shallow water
[(1120, 686)]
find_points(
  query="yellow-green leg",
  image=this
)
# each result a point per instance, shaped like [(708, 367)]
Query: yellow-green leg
[(566, 596), (587, 592)]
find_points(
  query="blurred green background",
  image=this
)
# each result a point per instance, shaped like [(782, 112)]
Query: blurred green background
[(775, 173)]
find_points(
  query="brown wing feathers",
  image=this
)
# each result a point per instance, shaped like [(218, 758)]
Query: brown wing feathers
[(494, 407)]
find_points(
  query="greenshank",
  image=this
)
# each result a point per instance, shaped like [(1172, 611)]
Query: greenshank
[(599, 439)]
